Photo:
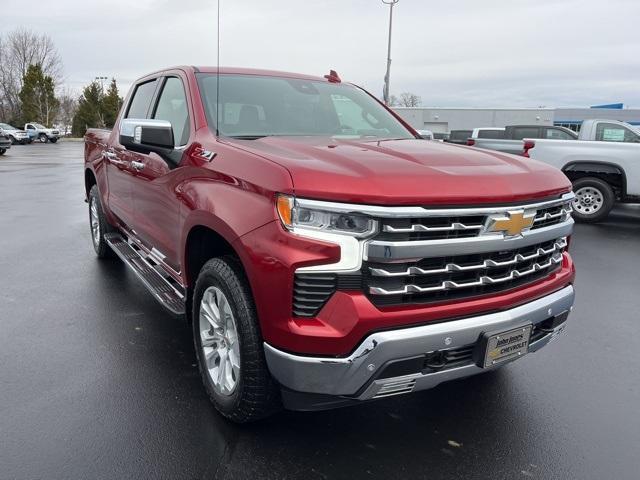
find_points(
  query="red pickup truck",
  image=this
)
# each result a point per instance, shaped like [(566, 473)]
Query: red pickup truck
[(324, 254)]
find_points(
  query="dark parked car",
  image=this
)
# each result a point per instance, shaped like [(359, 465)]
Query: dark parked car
[(459, 136), (5, 142)]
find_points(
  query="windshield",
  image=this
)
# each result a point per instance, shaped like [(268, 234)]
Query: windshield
[(254, 106), (38, 126), (6, 126)]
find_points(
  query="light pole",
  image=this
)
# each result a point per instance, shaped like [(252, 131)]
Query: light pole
[(385, 93), (101, 80)]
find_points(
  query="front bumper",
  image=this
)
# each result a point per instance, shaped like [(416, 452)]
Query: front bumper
[(329, 382)]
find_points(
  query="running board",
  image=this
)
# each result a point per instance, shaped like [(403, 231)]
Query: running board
[(166, 290)]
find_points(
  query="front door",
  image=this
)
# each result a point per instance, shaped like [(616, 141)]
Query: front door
[(157, 207)]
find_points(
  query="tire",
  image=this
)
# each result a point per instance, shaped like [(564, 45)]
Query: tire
[(97, 219), (2, 151), (42, 138), (248, 393), (13, 141), (594, 200), (53, 140)]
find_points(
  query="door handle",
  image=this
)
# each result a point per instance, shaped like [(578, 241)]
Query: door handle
[(137, 166), (112, 157)]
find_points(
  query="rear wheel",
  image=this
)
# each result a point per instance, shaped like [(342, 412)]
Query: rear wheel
[(228, 343), (43, 138), (594, 200), (99, 225), (2, 151)]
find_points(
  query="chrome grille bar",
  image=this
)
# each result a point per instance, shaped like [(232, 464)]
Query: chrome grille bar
[(418, 227), (452, 267), (484, 280), (565, 212)]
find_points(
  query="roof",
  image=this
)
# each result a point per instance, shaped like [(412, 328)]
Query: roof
[(256, 71)]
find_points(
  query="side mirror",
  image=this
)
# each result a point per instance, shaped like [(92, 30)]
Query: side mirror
[(146, 136)]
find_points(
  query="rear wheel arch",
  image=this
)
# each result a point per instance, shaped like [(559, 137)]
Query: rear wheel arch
[(89, 180), (610, 173)]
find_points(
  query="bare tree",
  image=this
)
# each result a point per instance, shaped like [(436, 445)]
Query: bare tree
[(393, 101), (68, 108), (408, 99), (18, 50)]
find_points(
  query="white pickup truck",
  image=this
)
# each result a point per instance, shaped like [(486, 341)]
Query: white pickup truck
[(603, 165)]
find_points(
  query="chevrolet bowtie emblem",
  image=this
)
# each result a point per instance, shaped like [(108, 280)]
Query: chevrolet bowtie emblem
[(514, 223)]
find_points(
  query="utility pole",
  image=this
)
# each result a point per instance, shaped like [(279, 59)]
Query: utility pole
[(385, 93)]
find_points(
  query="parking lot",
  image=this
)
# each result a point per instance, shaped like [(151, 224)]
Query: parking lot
[(96, 381)]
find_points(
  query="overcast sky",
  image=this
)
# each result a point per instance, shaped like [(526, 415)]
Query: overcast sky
[(484, 53)]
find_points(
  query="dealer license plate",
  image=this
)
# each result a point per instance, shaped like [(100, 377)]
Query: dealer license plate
[(505, 346)]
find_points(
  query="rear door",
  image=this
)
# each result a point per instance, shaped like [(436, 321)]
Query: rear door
[(120, 173), (155, 178)]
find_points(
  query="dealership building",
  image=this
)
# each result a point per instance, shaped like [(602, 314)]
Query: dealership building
[(443, 120)]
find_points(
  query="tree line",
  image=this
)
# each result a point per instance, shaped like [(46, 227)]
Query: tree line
[(31, 75)]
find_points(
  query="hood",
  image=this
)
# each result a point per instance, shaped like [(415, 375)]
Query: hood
[(407, 172)]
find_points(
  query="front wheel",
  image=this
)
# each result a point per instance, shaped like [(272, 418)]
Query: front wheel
[(2, 151), (53, 140), (594, 200), (228, 343)]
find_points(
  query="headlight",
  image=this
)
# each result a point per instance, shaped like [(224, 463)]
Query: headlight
[(295, 214)]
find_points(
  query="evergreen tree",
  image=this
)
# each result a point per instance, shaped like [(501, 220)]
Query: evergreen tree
[(111, 104), (89, 112), (37, 96)]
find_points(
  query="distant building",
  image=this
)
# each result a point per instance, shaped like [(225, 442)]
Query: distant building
[(443, 120)]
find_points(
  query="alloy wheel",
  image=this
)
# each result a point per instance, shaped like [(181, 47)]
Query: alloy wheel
[(219, 341), (95, 222)]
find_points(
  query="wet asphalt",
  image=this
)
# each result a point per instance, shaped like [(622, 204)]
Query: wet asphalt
[(97, 381)]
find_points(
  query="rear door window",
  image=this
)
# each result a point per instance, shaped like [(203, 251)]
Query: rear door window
[(611, 132), (141, 101), (460, 134), (520, 133), (493, 134), (557, 134)]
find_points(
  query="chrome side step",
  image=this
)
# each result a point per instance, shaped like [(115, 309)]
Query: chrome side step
[(163, 287)]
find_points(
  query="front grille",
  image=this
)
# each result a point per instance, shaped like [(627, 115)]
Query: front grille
[(431, 280), (463, 226), (431, 228)]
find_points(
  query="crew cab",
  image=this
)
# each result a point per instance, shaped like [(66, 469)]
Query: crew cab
[(511, 139), (603, 165), (37, 131), (323, 254)]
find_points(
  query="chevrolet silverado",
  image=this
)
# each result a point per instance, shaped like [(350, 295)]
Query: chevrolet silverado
[(322, 253), (603, 165)]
